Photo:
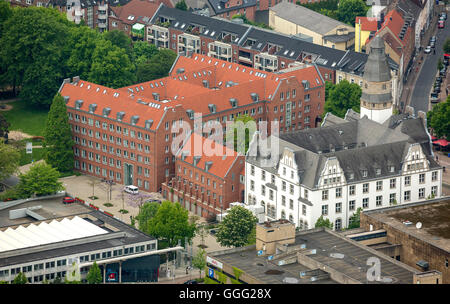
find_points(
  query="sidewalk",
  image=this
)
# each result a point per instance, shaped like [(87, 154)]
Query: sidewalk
[(444, 161)]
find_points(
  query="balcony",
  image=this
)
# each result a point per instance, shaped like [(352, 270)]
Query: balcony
[(188, 44), (220, 50), (266, 62)]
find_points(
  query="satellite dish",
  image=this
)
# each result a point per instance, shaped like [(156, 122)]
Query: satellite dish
[(419, 225)]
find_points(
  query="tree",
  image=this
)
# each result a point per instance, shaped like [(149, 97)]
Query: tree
[(447, 46), (157, 67), (5, 12), (143, 52), (236, 228), (20, 279), (32, 51), (440, 64), (146, 212), (81, 45), (58, 141), (321, 222), (354, 220), (94, 275), (93, 182), (348, 10), (171, 223), (4, 125), (119, 39), (199, 260), (181, 5), (439, 119), (343, 96), (111, 66), (241, 144), (41, 179), (9, 160)]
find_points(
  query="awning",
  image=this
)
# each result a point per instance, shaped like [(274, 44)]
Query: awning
[(441, 142), (433, 138)]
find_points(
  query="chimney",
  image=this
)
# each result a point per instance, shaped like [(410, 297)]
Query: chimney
[(206, 83), (76, 79)]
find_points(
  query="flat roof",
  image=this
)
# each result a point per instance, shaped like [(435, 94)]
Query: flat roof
[(331, 249), (434, 216), (118, 233)]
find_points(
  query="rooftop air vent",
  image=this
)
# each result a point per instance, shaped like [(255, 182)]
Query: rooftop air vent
[(148, 123), (106, 112), (78, 103), (156, 96), (92, 107), (120, 115)]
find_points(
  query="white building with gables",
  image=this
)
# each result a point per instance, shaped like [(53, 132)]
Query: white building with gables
[(346, 164)]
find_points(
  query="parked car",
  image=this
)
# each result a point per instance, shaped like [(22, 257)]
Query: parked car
[(439, 79), (212, 231), (427, 50), (131, 189), (443, 72), (441, 24), (444, 15), (437, 90), (68, 200), (432, 44)]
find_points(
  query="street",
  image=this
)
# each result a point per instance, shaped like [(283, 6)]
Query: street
[(421, 91)]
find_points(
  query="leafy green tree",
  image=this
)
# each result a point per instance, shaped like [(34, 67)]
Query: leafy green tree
[(58, 141), (439, 119), (31, 53), (171, 222), (143, 52), (440, 64), (342, 97), (94, 275), (348, 10), (199, 260), (354, 220), (242, 144), (447, 46), (119, 39), (181, 5), (5, 12), (81, 45), (20, 279), (157, 67), (236, 228), (9, 160), (111, 66), (321, 222), (4, 125), (41, 179), (146, 212)]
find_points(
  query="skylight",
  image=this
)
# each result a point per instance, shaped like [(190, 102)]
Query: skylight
[(206, 32), (285, 52), (176, 24)]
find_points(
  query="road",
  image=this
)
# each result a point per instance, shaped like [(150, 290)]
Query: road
[(421, 93)]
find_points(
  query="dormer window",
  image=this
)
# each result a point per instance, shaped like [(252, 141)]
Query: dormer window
[(364, 173), (378, 171), (392, 169)]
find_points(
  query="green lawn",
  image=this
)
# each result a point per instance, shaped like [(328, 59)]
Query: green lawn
[(26, 118), (38, 154)]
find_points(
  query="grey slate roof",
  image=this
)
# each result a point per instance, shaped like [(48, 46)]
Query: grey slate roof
[(219, 6), (358, 144), (305, 17), (377, 68)]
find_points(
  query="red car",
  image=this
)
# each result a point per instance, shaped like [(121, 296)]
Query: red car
[(68, 200), (441, 24)]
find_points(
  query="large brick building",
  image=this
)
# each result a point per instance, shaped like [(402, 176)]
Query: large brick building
[(206, 184), (126, 134)]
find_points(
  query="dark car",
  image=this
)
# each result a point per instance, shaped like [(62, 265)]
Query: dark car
[(443, 72), (191, 282), (446, 61), (437, 90), (439, 79), (68, 200)]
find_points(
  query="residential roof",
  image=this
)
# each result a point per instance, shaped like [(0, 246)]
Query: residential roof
[(136, 10), (219, 163), (367, 23), (219, 6), (306, 18)]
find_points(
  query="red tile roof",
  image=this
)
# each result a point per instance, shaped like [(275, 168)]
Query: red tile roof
[(138, 8), (367, 23), (105, 97), (222, 160)]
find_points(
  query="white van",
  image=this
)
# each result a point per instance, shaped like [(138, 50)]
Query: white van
[(131, 189)]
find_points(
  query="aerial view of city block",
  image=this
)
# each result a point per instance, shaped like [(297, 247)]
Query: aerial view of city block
[(224, 142)]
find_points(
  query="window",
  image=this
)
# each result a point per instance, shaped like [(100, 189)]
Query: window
[(252, 170), (338, 192), (324, 195), (338, 224), (304, 209), (379, 185), (421, 192), (379, 200), (422, 178), (263, 190), (366, 202), (392, 199), (434, 190), (434, 176), (291, 189), (338, 207), (351, 205), (283, 186), (263, 175), (252, 185), (407, 180), (366, 188), (271, 195), (352, 190), (407, 195), (392, 183), (283, 200), (325, 210)]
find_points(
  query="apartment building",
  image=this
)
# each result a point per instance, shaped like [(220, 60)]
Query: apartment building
[(345, 165), (126, 134), (266, 50), (206, 182)]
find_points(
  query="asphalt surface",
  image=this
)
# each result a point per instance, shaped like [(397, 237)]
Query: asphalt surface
[(421, 93)]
